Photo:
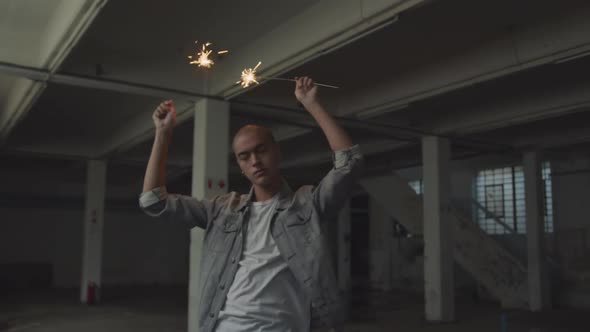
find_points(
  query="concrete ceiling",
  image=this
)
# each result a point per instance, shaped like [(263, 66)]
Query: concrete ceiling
[(36, 35), (149, 41), (68, 116), (485, 69), (23, 30)]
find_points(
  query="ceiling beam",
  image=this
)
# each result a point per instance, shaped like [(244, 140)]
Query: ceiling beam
[(320, 29), (502, 114), (68, 22), (285, 47), (518, 50)]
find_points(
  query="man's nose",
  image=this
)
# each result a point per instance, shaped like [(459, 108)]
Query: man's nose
[(255, 159)]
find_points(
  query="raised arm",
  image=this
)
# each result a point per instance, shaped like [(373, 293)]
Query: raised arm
[(155, 200), (334, 189), (306, 93), (164, 118)]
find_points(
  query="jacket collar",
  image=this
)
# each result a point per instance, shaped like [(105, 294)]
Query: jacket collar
[(285, 194)]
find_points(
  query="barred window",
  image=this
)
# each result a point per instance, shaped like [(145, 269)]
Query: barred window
[(501, 192)]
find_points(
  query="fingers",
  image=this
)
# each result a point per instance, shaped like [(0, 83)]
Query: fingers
[(160, 113), (171, 106), (299, 82), (304, 82), (308, 83), (164, 109)]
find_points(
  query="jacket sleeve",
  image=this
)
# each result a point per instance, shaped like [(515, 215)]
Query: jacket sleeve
[(335, 188), (187, 209)]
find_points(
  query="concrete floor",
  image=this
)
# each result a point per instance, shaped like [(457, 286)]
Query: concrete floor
[(164, 309)]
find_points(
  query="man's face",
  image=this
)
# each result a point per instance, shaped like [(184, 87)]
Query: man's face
[(258, 157)]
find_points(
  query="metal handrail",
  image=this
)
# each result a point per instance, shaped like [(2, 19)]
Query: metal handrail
[(491, 215), (497, 219)]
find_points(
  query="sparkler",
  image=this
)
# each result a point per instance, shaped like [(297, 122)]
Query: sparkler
[(249, 77), (204, 56)]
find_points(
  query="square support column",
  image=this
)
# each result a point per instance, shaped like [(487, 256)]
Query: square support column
[(439, 293), (210, 169), (93, 226), (538, 279)]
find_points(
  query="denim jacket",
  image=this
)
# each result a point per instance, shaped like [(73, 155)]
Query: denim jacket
[(295, 226)]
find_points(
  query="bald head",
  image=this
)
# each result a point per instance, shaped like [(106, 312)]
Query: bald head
[(258, 155), (253, 129)]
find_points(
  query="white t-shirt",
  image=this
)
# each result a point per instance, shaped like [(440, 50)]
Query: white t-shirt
[(264, 296)]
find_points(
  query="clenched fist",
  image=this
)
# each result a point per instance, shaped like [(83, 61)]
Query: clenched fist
[(306, 91), (165, 116)]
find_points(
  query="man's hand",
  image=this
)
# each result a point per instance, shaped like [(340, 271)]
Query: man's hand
[(165, 116), (306, 91)]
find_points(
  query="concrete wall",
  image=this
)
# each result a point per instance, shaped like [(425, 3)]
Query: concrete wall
[(137, 249), (569, 244), (571, 196), (43, 236), (398, 262), (142, 250)]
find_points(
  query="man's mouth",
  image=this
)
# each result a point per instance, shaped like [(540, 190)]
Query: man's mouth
[(260, 172)]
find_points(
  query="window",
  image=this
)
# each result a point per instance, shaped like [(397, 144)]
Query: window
[(500, 194), (494, 199), (548, 197), (417, 185)]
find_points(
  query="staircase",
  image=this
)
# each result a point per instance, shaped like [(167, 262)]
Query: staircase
[(498, 270)]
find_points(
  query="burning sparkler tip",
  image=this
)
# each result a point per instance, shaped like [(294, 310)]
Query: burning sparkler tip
[(203, 57), (249, 76)]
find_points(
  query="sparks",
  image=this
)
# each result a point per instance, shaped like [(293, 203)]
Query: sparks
[(249, 76), (205, 57)]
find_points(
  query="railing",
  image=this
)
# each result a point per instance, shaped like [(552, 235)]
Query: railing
[(516, 247), (512, 241), (490, 215)]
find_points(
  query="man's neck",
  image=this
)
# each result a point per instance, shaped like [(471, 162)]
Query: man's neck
[(265, 193)]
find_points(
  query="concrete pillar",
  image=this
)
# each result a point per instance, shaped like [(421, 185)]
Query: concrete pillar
[(380, 246), (438, 236), (210, 157), (539, 295), (93, 226)]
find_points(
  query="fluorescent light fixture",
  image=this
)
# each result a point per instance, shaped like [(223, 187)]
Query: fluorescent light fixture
[(377, 111), (572, 57)]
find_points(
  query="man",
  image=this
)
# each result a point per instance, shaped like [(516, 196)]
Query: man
[(264, 266)]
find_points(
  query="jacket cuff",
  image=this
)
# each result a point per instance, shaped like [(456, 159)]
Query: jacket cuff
[(152, 197), (341, 158)]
